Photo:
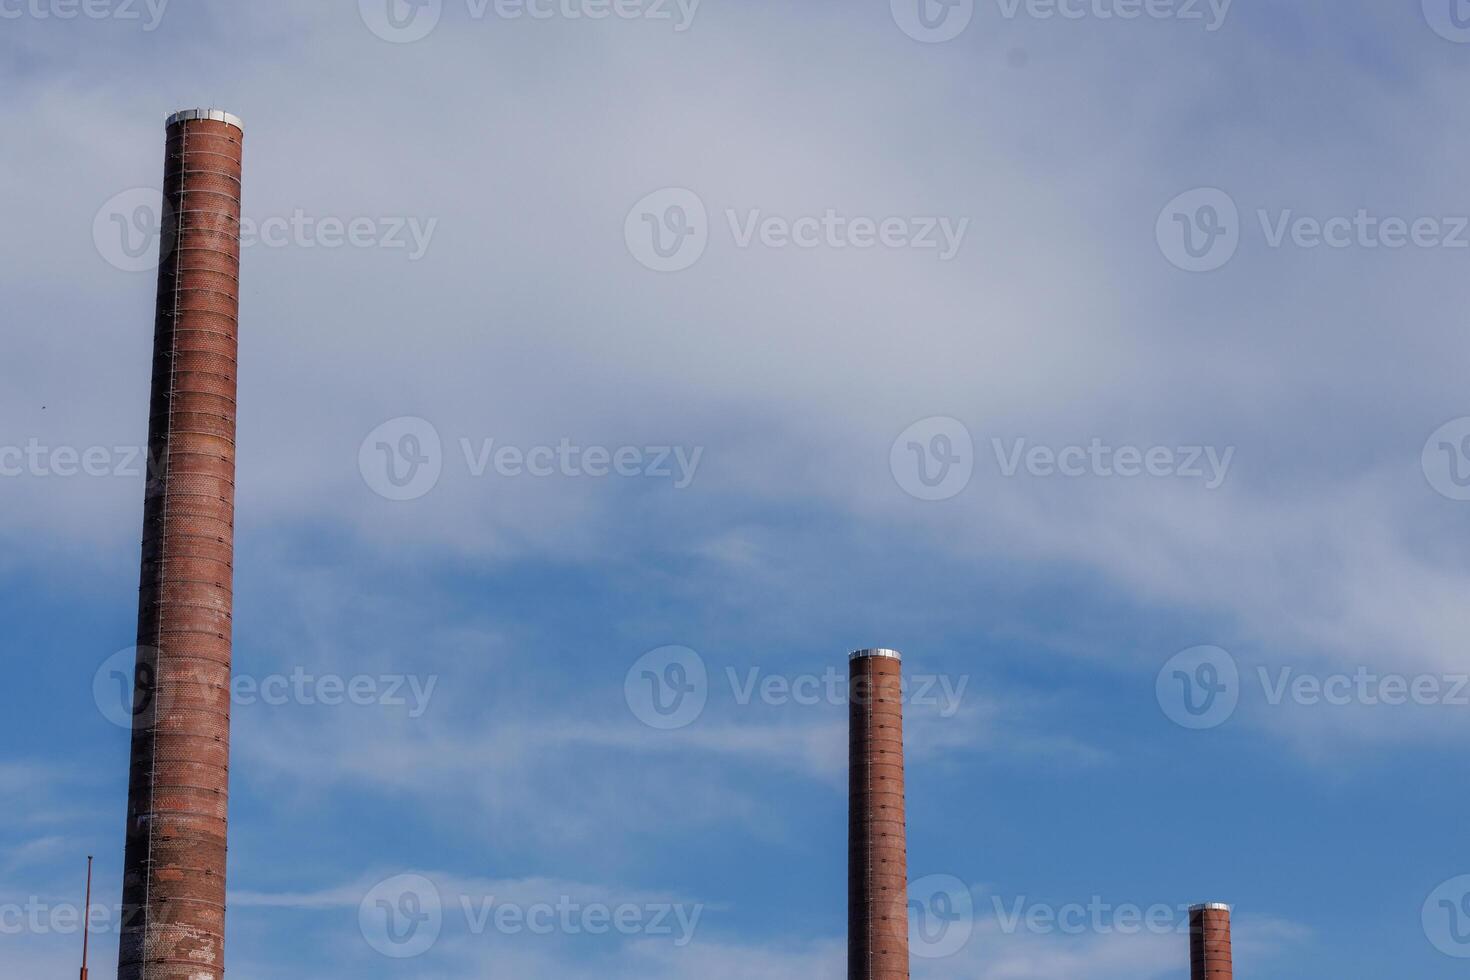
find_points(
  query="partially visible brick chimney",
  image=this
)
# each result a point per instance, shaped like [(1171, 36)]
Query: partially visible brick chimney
[(877, 851), (173, 905), (1209, 942)]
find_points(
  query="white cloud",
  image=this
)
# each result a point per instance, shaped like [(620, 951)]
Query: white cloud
[(794, 370)]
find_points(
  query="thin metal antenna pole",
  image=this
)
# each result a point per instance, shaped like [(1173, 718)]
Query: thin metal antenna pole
[(86, 917)]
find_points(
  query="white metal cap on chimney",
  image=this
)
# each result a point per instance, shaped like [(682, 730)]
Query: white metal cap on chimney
[(876, 652), (218, 115)]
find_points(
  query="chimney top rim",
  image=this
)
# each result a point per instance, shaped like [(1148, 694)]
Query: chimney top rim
[(1210, 907), (875, 652), (218, 115)]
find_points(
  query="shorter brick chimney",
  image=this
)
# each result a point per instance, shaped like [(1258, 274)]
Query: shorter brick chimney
[(877, 864), (1209, 942)]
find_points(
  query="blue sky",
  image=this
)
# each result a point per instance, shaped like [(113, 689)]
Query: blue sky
[(1159, 521)]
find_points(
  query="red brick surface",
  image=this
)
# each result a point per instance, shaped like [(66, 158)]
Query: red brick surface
[(877, 932), (1209, 944), (178, 788)]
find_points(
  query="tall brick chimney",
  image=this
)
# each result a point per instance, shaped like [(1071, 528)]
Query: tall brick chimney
[(877, 850), (1209, 943), (178, 787)]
